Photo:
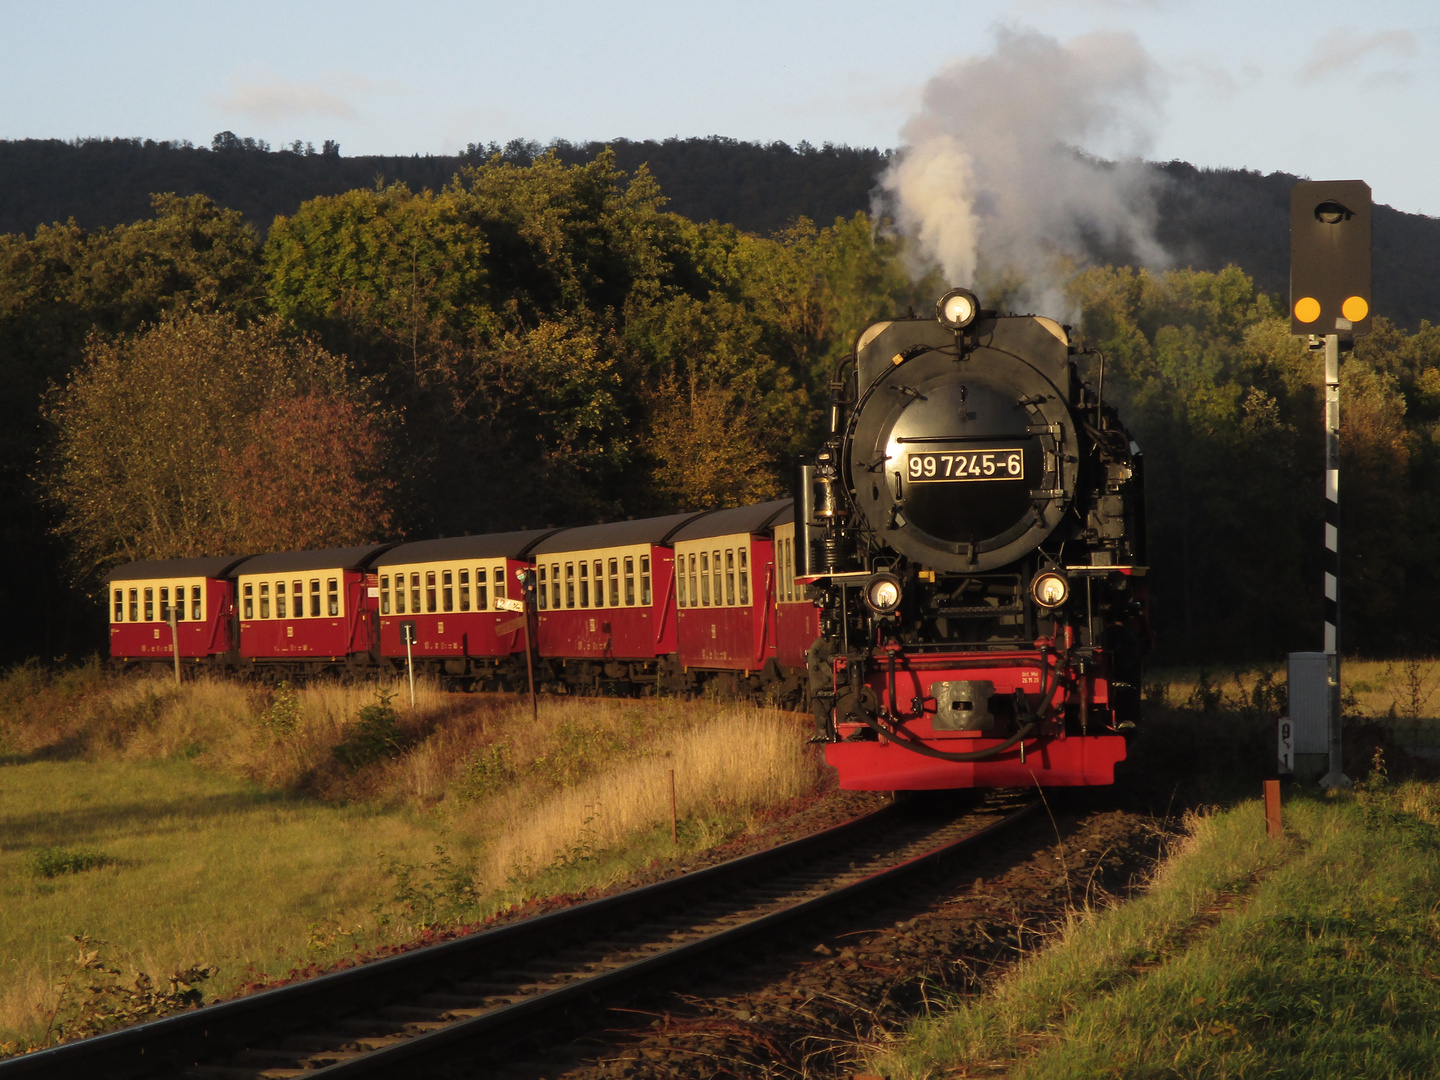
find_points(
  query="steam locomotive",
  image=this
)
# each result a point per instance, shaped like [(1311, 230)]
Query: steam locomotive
[(957, 587), (972, 535)]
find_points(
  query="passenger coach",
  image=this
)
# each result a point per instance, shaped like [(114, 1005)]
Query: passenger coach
[(306, 612), (725, 589), (143, 595), (450, 591), (605, 601)]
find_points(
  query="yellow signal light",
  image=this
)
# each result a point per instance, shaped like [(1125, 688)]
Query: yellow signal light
[(1307, 309), (1355, 308)]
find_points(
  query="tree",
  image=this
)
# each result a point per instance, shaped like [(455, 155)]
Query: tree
[(177, 443)]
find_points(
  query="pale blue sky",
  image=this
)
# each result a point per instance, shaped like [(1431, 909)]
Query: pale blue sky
[(1324, 89)]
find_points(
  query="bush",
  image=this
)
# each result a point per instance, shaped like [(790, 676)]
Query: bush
[(282, 715), (375, 735), (52, 862)]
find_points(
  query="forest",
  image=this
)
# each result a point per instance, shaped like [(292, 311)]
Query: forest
[(535, 340)]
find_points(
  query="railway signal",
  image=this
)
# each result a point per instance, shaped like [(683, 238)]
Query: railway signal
[(1330, 305)]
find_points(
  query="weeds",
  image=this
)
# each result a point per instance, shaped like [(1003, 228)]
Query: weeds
[(487, 773), (51, 862), (442, 891), (95, 996)]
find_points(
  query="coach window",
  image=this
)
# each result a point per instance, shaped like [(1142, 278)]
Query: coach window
[(333, 585), (542, 587), (164, 605), (249, 604), (599, 583), (645, 580), (482, 589), (717, 578), (744, 575), (415, 593), (264, 599), (584, 584), (555, 585), (679, 580), (119, 606), (569, 584), (629, 580), (399, 594), (134, 605), (614, 582), (730, 576), (384, 594), (694, 581), (465, 589), (499, 576), (180, 603), (429, 590), (196, 602), (447, 590), (280, 599)]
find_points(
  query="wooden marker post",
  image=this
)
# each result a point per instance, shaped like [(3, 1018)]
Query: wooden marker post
[(175, 643), (522, 624), (1272, 809), (674, 823)]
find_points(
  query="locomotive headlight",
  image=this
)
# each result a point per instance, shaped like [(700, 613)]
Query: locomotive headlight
[(882, 594), (957, 309), (1050, 589)]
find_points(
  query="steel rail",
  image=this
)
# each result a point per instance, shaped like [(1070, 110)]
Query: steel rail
[(174, 1046)]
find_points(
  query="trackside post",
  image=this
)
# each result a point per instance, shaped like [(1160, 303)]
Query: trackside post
[(1330, 305), (175, 643), (407, 634)]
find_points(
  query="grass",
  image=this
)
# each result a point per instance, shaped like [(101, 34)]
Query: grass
[(1401, 696), (197, 869), (161, 831), (1311, 956)]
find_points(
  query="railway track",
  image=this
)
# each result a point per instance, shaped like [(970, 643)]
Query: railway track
[(473, 996)]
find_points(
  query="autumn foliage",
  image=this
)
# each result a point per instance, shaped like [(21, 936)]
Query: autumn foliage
[(204, 436)]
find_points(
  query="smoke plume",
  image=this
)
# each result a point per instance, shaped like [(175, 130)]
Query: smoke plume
[(998, 176)]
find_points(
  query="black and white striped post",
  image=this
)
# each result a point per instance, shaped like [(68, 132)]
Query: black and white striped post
[(1330, 304), (1335, 776)]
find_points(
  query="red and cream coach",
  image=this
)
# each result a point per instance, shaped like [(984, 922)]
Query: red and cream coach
[(605, 602), (309, 612), (450, 595), (197, 593)]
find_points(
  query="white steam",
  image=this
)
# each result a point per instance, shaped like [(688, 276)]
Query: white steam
[(997, 175)]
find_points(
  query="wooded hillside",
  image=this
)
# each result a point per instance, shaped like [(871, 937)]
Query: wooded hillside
[(1209, 218)]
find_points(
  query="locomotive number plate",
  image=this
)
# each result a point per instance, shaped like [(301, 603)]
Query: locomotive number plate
[(966, 465)]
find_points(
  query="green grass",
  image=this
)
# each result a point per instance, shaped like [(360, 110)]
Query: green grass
[(197, 869), (1312, 956)]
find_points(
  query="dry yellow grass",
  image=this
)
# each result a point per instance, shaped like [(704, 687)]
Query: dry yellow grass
[(737, 761)]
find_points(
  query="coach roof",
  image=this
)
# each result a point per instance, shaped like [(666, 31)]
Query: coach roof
[(287, 562), (506, 545), (741, 519), (657, 530), (213, 566)]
